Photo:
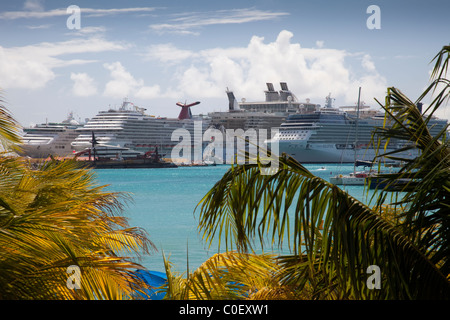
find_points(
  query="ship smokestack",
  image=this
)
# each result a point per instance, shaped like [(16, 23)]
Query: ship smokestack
[(185, 112), (271, 94), (284, 92), (232, 102), (419, 106)]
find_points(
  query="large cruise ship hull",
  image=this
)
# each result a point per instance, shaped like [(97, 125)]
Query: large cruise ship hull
[(328, 153), (40, 151), (43, 142), (332, 136), (128, 132)]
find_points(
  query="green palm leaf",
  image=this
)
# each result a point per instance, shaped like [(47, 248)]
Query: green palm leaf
[(333, 238), (9, 130), (353, 236), (426, 197)]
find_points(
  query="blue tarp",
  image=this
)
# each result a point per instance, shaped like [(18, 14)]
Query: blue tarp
[(155, 279)]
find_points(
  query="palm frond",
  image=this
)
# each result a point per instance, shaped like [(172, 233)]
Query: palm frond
[(231, 275), (9, 130), (56, 217), (426, 194), (245, 205)]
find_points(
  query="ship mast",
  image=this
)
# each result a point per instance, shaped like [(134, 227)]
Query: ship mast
[(356, 130)]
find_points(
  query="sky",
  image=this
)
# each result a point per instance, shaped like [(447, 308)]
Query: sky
[(82, 56)]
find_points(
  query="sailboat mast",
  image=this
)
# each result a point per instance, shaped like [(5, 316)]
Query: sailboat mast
[(356, 130)]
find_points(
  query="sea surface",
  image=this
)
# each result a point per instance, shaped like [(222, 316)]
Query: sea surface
[(164, 202)]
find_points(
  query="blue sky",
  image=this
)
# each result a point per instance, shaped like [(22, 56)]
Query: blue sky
[(159, 52)]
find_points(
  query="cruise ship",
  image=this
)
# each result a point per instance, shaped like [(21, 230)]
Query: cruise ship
[(266, 114), (128, 132), (336, 135), (50, 139)]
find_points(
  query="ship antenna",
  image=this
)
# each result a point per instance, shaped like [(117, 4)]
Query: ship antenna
[(124, 103), (329, 101)]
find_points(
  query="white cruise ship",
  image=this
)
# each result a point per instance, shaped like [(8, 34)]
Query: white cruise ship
[(266, 114), (50, 139), (260, 115), (331, 135), (128, 132)]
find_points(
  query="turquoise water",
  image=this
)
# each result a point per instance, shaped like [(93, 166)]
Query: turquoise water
[(164, 201)]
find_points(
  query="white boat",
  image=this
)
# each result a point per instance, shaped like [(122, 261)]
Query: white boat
[(50, 139), (259, 115), (353, 178), (331, 135), (128, 131)]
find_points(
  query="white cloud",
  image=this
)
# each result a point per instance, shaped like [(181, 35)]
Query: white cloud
[(33, 5), (84, 85), (184, 23), (41, 26), (107, 12), (123, 84), (85, 12), (167, 53), (149, 92), (310, 72), (33, 66), (320, 43), (367, 63), (20, 72), (99, 30)]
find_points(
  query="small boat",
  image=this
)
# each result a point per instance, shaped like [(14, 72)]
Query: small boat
[(384, 184), (353, 178), (364, 163)]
